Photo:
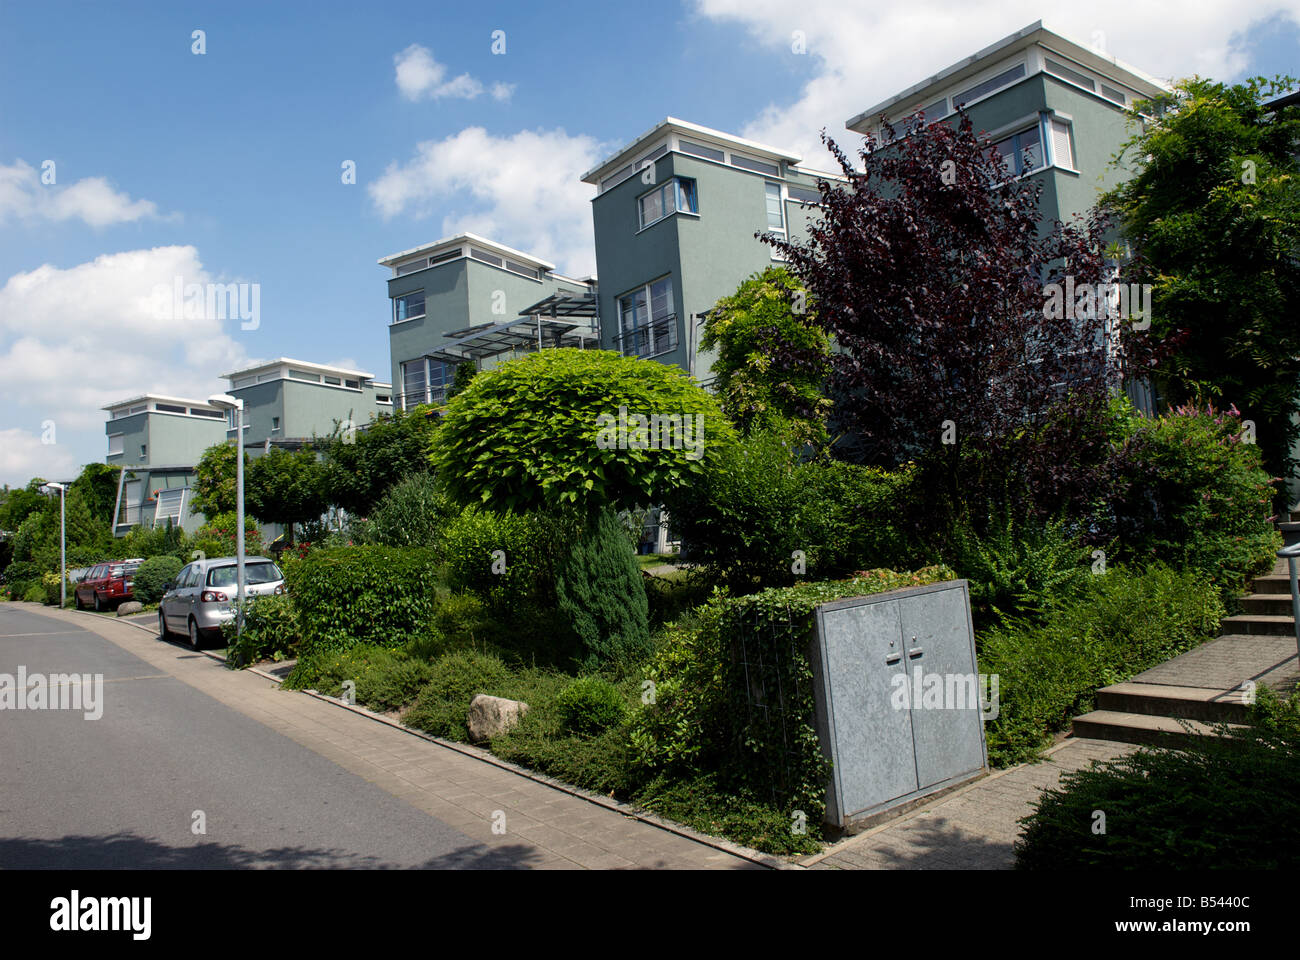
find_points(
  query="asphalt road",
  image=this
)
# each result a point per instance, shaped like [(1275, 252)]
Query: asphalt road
[(122, 790)]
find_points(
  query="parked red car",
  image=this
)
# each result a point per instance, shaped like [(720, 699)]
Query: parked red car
[(107, 585)]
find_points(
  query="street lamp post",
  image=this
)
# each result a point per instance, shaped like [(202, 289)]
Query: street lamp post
[(63, 543), (226, 402)]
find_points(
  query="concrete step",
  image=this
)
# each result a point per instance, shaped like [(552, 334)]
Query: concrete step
[(1161, 700), (1270, 604), (1257, 624), (1273, 583), (1140, 728)]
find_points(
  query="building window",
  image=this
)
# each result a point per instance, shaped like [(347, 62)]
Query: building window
[(304, 375), (1021, 152), (441, 376), (414, 383), (758, 166), (986, 87), (144, 448), (803, 194), (1062, 147), (168, 506), (275, 424), (675, 195), (700, 150), (408, 306), (334, 381), (116, 445), (647, 323), (775, 208), (935, 110), (354, 384)]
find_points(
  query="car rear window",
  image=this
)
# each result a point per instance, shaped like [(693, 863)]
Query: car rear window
[(262, 571)]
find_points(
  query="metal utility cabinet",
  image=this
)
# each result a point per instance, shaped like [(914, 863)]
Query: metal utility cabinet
[(863, 650)]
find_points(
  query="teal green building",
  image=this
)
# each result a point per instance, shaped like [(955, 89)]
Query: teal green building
[(468, 299), (675, 216)]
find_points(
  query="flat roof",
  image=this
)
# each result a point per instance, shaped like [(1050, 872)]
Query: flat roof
[(461, 238), (304, 364), (160, 398), (1036, 32), (674, 125)]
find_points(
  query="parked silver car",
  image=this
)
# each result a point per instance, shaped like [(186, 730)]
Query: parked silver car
[(203, 595)]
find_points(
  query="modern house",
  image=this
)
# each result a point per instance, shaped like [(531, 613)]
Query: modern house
[(675, 215), (1054, 108), (467, 299), (288, 403), (157, 441)]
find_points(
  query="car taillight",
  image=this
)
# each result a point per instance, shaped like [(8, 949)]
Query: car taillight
[(214, 596)]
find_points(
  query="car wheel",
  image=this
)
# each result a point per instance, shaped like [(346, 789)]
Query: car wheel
[(196, 639), (99, 604), (163, 632)]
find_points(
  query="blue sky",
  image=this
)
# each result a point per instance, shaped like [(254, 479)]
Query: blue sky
[(226, 166)]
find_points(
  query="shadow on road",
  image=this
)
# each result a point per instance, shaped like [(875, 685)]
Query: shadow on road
[(127, 851)]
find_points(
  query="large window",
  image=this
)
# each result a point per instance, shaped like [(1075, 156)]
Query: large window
[(1021, 152), (408, 306), (668, 198), (414, 383), (116, 444), (647, 322), (775, 208), (1062, 147), (984, 88)]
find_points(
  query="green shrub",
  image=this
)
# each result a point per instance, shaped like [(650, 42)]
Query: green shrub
[(412, 513), (591, 705), (51, 583), (505, 558), (1019, 569), (703, 720), (153, 575), (599, 589), (536, 432), (271, 632), (362, 594), (1125, 622), (385, 679), (453, 681), (217, 537), (1197, 497), (1216, 803), (35, 593), (763, 516)]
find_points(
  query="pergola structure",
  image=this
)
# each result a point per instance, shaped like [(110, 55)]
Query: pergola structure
[(560, 320)]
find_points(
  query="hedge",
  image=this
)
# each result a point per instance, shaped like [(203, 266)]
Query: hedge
[(362, 594)]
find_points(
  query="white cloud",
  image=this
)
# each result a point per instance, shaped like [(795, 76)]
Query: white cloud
[(72, 340), (420, 77), (24, 197), (865, 53), (521, 190), (23, 455)]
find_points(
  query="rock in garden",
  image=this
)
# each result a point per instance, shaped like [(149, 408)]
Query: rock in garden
[(492, 716), (128, 608)]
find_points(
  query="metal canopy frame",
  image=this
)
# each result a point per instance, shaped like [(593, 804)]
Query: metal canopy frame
[(560, 320)]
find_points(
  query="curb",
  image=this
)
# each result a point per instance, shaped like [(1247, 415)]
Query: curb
[(767, 860)]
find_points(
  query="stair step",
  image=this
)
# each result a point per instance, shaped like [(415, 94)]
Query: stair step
[(1140, 728), (1257, 624), (1162, 700), (1270, 604), (1273, 583)]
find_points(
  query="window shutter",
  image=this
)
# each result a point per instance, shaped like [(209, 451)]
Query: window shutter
[(1062, 153)]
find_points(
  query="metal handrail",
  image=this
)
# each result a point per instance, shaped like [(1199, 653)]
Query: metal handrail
[(1291, 554)]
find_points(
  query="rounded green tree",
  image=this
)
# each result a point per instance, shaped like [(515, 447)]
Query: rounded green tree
[(587, 428)]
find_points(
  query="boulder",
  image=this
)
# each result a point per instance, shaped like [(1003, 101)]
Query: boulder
[(492, 716), (130, 607)]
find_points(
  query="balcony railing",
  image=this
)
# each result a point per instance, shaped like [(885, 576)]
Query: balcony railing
[(651, 340), (429, 395)]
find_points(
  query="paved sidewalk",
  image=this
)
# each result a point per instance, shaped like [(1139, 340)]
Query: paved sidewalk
[(973, 828), (545, 828)]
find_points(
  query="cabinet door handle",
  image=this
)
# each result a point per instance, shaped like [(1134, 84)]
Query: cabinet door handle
[(915, 652)]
